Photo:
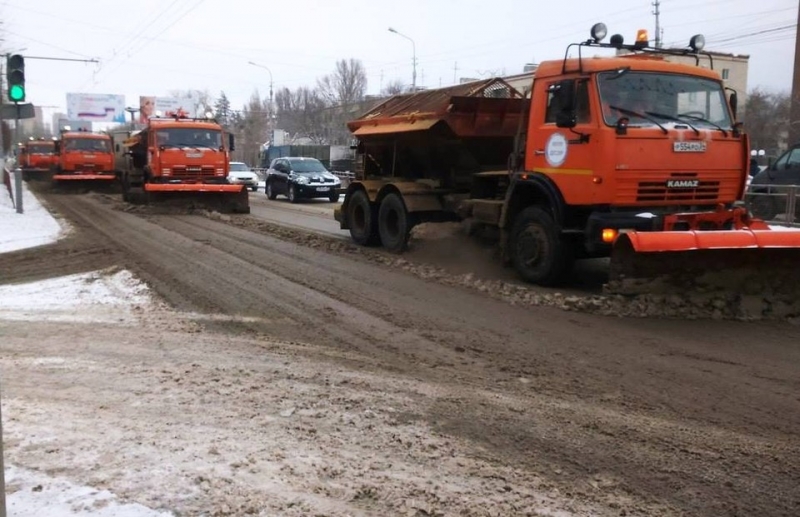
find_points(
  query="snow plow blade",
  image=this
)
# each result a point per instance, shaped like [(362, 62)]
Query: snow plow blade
[(223, 198), (82, 183), (739, 262)]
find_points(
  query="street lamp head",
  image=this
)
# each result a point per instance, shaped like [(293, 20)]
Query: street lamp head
[(392, 30)]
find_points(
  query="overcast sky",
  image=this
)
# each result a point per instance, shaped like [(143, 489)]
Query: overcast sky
[(150, 47)]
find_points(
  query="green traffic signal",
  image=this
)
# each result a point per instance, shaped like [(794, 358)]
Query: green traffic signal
[(16, 93), (15, 73)]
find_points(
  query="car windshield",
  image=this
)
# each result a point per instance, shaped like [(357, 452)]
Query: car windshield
[(652, 98), (189, 137), (307, 165), (87, 144), (239, 167), (40, 149)]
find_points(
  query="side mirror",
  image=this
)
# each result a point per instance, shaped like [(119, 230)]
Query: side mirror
[(566, 119), (564, 92), (231, 143), (734, 101)]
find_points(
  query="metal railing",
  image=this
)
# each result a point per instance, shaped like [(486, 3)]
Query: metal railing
[(777, 204)]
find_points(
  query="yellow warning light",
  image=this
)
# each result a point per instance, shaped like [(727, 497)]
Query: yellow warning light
[(609, 235), (642, 38)]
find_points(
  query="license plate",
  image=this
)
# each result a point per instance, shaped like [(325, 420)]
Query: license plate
[(689, 147), (323, 189), (194, 155), (88, 156)]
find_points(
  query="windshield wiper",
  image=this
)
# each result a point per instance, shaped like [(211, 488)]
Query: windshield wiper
[(640, 115), (703, 119), (673, 118)]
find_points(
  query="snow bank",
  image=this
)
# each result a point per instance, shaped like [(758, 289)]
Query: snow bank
[(34, 227)]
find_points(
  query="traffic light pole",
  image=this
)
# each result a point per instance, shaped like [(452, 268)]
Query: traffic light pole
[(17, 170)]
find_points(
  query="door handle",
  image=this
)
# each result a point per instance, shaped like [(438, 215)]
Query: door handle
[(538, 152)]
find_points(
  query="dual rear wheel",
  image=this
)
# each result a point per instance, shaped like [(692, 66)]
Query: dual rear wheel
[(538, 251), (387, 223)]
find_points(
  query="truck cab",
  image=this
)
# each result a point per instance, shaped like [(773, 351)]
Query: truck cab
[(84, 156), (37, 157)]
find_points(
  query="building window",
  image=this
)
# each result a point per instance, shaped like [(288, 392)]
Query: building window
[(725, 73)]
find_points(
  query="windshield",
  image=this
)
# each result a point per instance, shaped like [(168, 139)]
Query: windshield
[(239, 167), (87, 144), (189, 137), (307, 165), (40, 149), (645, 96)]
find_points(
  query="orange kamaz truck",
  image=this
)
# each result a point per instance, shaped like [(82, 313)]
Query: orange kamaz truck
[(37, 158), (629, 155), (84, 158), (180, 158)]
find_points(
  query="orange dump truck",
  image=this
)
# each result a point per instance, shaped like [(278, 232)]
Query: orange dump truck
[(37, 158), (185, 159), (631, 156), (84, 158)]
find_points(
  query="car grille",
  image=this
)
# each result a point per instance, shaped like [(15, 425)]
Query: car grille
[(658, 191), (321, 181), (193, 172)]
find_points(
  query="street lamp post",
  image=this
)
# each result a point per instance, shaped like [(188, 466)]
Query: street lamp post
[(270, 87), (414, 59)]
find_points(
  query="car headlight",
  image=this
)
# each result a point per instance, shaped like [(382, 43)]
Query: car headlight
[(302, 180)]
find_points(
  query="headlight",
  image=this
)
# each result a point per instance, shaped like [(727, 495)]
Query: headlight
[(302, 180)]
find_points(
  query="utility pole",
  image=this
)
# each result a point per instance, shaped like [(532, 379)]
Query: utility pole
[(455, 72), (657, 13), (794, 112)]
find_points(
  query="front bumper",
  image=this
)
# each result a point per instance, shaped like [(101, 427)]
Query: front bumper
[(310, 191), (246, 182), (85, 176)]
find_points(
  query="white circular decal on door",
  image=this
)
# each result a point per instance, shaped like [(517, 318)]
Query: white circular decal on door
[(555, 151)]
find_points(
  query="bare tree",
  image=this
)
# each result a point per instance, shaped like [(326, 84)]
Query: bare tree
[(394, 87), (346, 85), (252, 125), (766, 119), (300, 113)]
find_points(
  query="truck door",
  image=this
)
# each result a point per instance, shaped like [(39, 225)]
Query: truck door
[(565, 155)]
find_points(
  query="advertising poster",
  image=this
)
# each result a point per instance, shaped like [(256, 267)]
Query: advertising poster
[(168, 106), (96, 107)]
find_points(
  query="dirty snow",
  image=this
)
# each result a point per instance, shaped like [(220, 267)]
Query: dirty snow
[(93, 297)]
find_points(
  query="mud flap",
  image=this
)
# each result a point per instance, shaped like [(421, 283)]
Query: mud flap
[(739, 262)]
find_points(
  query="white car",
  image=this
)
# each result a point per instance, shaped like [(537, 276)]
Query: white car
[(241, 174)]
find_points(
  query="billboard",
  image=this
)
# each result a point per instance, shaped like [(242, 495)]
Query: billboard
[(96, 107), (168, 106)]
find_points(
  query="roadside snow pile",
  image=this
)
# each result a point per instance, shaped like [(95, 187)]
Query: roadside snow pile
[(101, 296), (34, 227)]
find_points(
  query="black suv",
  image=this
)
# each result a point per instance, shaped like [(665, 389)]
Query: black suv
[(301, 178), (767, 194)]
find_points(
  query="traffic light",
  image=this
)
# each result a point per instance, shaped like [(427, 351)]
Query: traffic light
[(15, 73)]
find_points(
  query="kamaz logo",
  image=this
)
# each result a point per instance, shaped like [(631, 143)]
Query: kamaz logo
[(683, 183)]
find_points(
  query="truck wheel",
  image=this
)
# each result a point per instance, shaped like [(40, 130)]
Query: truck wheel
[(393, 224), (271, 195), (538, 252), (361, 218)]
